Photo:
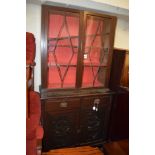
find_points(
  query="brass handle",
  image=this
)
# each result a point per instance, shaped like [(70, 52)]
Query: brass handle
[(96, 101), (63, 104)]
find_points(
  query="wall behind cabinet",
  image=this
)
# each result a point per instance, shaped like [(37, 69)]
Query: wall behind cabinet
[(33, 24)]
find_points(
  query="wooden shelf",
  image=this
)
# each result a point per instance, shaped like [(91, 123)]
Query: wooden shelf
[(62, 38), (87, 47), (92, 35), (90, 84), (62, 65), (58, 85), (69, 46), (73, 65), (94, 65), (105, 49), (72, 37)]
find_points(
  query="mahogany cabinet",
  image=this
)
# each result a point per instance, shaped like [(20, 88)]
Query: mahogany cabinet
[(125, 73), (76, 57), (71, 121)]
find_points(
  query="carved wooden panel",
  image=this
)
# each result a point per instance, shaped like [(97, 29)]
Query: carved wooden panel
[(76, 125), (60, 129), (91, 125), (94, 123)]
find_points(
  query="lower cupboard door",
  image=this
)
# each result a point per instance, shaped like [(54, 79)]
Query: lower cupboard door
[(60, 129), (92, 126)]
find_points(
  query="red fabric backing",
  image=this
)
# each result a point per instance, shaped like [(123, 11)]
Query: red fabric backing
[(62, 53)]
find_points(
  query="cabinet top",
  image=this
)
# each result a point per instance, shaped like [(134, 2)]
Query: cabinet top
[(46, 93), (58, 8)]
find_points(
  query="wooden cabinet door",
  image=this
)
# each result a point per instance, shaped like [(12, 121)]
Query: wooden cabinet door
[(97, 49), (60, 129), (61, 39), (94, 123), (60, 121), (76, 44)]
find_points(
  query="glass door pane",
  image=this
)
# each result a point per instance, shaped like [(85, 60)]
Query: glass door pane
[(63, 44), (96, 51)]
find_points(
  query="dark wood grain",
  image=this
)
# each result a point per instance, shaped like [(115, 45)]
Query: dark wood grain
[(80, 53), (125, 73), (119, 127), (111, 44), (117, 68), (75, 124), (84, 125), (44, 32)]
